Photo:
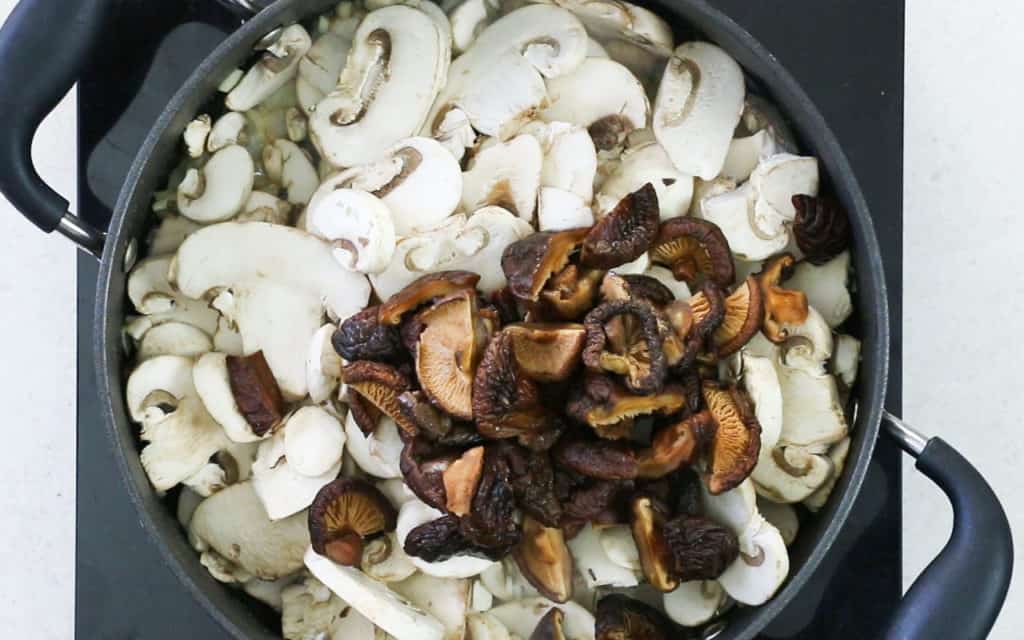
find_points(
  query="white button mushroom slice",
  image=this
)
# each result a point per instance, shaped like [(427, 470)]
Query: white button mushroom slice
[(468, 19), (746, 153), (288, 165), (761, 115), (207, 481), (506, 581), (218, 190), (278, 277), (826, 287), (280, 487), (506, 174), (499, 81), (774, 182), (595, 50), (414, 513), (173, 339), (484, 626), (229, 129), (558, 209), (320, 67), (153, 296), (396, 491), (263, 207), (694, 603), (275, 68), (227, 339), (233, 523), (704, 190), (268, 591), (230, 465), (425, 252), (481, 242), (480, 599), (593, 563), (845, 359), (296, 124), (306, 613), (761, 382), (359, 227), (180, 435), (570, 159), (195, 135), (313, 441), (733, 212), (212, 382), (222, 569), (811, 411), (648, 164), (636, 21), (376, 454), (837, 455), (601, 95), (384, 559), (323, 365), (699, 103), (789, 474), (808, 345), (735, 508), (188, 500), (781, 516), (678, 288), (374, 600), (763, 564), (454, 132), (620, 547), (521, 617), (386, 89), (445, 599), (167, 236)]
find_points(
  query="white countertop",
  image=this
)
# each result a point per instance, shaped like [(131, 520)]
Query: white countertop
[(963, 311)]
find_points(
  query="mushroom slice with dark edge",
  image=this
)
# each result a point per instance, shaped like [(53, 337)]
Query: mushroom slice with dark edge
[(700, 548), (544, 560), (635, 346), (620, 617), (364, 413), (427, 418), (601, 459), (635, 287), (547, 352), (781, 306), (550, 626), (422, 468), (363, 337), (424, 289), (675, 446), (737, 439), (449, 348), (744, 313), (461, 480), (609, 407), (647, 520), (344, 513), (506, 403), (381, 385), (529, 263), (695, 250), (570, 293), (256, 392), (821, 227), (625, 233), (491, 522)]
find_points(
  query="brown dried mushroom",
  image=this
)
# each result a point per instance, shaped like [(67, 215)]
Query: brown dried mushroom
[(363, 337), (821, 227), (364, 413), (380, 385), (619, 617), (700, 548), (601, 459), (569, 294), (744, 313), (461, 480), (256, 392), (675, 446), (506, 402), (695, 250), (550, 626), (343, 514), (609, 407), (544, 560), (625, 233), (424, 289), (781, 305), (547, 352), (635, 287), (427, 418), (736, 441), (647, 520), (529, 263), (422, 468), (624, 337), (491, 521)]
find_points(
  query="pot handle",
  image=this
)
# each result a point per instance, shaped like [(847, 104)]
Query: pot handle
[(44, 45), (960, 593)]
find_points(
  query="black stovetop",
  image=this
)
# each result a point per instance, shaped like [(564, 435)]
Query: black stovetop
[(848, 57)]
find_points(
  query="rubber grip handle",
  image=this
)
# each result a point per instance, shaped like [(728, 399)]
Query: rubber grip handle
[(44, 45), (962, 591)]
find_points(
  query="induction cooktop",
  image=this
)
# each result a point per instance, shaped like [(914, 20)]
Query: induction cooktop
[(847, 57)]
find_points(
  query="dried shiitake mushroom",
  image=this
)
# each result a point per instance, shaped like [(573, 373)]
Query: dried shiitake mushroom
[(550, 626), (821, 227), (675, 445), (437, 540), (380, 384), (424, 289), (529, 263), (744, 313), (491, 522), (256, 392), (647, 519), (363, 337), (569, 294), (601, 459), (533, 482), (427, 418), (620, 617), (544, 560), (364, 413), (631, 348), (625, 233), (506, 402), (461, 480), (635, 287), (609, 407), (344, 513), (695, 250), (701, 549), (737, 438), (547, 352), (781, 306), (422, 467)]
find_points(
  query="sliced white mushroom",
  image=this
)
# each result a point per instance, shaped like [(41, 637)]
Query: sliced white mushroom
[(396, 491), (374, 600), (837, 455), (320, 67), (228, 130), (195, 135), (304, 615), (233, 523), (570, 159), (620, 547), (280, 487), (826, 287), (278, 277), (704, 190), (781, 516), (812, 415), (694, 603), (212, 382), (480, 599), (761, 115), (264, 207), (424, 252), (359, 227), (774, 182), (167, 236), (521, 617), (648, 164), (269, 592), (385, 560), (484, 626), (481, 242), (218, 190), (746, 153), (808, 345), (761, 382), (454, 132), (558, 209), (288, 165), (313, 441), (376, 454), (506, 581), (632, 21), (593, 563), (845, 359), (188, 500), (699, 103), (395, 68), (445, 599), (763, 564), (468, 19), (323, 365), (180, 435), (789, 474), (678, 288), (174, 339), (222, 569), (152, 295), (277, 67), (413, 514), (736, 508), (505, 174), (733, 212), (296, 124)]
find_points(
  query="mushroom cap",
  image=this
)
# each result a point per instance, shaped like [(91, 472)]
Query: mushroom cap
[(212, 382), (313, 441), (825, 286), (790, 474), (152, 295), (558, 210), (461, 480), (775, 181), (323, 364), (647, 519), (733, 213), (287, 164), (736, 442), (595, 564), (837, 455), (811, 411), (695, 250), (746, 152), (744, 313), (432, 286), (381, 385), (625, 233), (505, 174), (760, 569), (624, 337), (570, 293), (385, 560), (821, 227), (547, 352), (545, 560), (602, 403), (359, 227), (648, 163), (676, 445), (761, 382), (376, 453), (570, 160), (283, 490), (694, 603), (256, 394), (345, 512), (274, 70), (619, 616), (443, 598), (529, 263), (218, 190), (598, 88), (173, 339), (781, 305)]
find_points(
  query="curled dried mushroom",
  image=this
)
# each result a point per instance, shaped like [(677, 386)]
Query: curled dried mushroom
[(737, 438), (781, 306), (569, 294), (256, 392), (491, 523), (529, 263), (363, 337), (461, 480), (424, 289), (343, 514), (821, 227), (601, 459), (744, 313), (700, 548), (675, 445), (624, 337), (633, 286), (625, 233), (620, 617), (506, 402), (695, 250), (380, 385), (609, 407)]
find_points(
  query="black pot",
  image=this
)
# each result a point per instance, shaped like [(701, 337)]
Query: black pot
[(44, 45)]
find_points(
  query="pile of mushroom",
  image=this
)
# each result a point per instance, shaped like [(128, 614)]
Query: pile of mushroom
[(503, 320)]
